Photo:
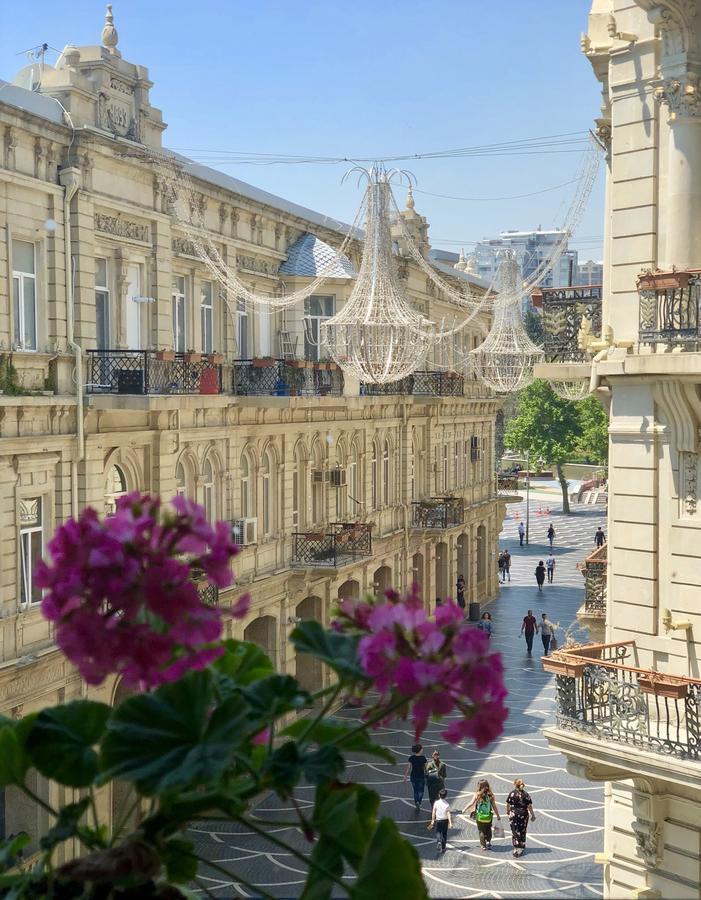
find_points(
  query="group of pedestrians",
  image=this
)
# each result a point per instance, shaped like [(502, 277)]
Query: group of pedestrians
[(531, 626), (504, 564), (481, 809)]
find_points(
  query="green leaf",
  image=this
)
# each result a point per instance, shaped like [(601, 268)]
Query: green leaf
[(171, 738), (61, 741), (328, 731), (323, 765), (14, 762), (284, 767), (244, 663), (179, 860), (390, 867), (66, 826), (326, 853), (339, 651), (346, 814), (275, 695), (11, 848)]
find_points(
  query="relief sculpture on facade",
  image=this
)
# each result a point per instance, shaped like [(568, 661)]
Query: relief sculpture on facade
[(119, 227)]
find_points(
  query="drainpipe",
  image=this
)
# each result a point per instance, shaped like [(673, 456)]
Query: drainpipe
[(70, 181)]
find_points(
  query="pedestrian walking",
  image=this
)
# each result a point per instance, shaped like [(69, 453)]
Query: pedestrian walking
[(507, 565), (529, 627), (416, 772), (550, 567), (440, 818), (483, 808), (551, 535), (521, 533), (460, 592), (519, 808), (436, 773), (540, 575), (500, 563), (599, 537), (485, 623), (547, 629)]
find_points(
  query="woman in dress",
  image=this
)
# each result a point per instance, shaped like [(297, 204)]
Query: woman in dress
[(483, 808), (436, 773), (540, 575), (519, 808)]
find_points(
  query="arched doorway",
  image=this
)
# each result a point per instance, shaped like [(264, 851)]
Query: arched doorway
[(263, 631), (382, 580), (442, 582), (462, 549), (481, 553), (349, 590), (417, 573), (308, 668)]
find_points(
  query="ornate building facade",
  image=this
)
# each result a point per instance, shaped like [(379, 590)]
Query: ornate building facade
[(124, 366), (628, 708)]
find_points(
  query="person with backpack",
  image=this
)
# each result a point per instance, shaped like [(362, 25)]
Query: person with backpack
[(436, 773), (440, 818), (551, 535), (416, 771), (540, 575), (519, 808), (550, 567), (482, 808)]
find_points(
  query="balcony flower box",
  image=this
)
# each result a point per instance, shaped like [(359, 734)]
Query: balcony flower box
[(166, 355), (663, 281), (214, 359), (663, 686), (564, 665), (263, 362), (192, 357)]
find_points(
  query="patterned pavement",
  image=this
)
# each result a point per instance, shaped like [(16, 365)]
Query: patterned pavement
[(559, 859)]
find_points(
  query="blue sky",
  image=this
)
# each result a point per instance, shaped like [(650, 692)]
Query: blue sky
[(336, 78)]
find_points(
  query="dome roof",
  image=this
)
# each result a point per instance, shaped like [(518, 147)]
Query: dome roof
[(309, 256)]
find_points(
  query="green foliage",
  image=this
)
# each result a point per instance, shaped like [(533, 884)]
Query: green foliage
[(61, 741), (593, 442), (9, 378), (546, 424), (66, 825), (335, 731), (390, 867), (533, 323), (339, 651)]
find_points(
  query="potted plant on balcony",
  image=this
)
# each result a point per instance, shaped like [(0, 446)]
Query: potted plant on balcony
[(563, 662), (293, 378), (214, 359), (263, 362), (662, 685), (190, 356), (663, 281), (165, 355)]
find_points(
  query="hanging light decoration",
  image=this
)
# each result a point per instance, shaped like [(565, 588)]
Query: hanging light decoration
[(571, 390), (377, 335), (504, 361)]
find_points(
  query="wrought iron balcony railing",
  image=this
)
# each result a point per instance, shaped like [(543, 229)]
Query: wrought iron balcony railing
[(209, 593), (419, 384), (285, 378), (438, 512), (507, 484), (594, 572), (565, 310), (342, 544), (600, 693), (670, 308), (152, 372)]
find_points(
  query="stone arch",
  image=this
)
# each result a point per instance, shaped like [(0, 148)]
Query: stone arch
[(129, 463), (263, 631), (349, 590), (382, 580), (186, 471), (308, 669)]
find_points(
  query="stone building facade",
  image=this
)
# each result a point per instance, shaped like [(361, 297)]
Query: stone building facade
[(124, 366), (628, 709)]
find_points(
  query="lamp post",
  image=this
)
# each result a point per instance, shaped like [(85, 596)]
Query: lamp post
[(528, 492)]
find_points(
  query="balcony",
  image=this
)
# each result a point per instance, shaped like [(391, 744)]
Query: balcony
[(419, 384), (343, 544), (209, 593), (269, 377), (152, 372), (670, 309), (565, 310), (594, 572), (438, 512), (603, 695), (507, 488)]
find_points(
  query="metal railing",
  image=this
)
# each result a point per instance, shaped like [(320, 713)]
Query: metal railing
[(419, 384), (670, 308), (564, 310), (594, 572), (285, 378), (438, 512), (343, 543), (599, 693), (209, 593), (146, 372), (507, 484)]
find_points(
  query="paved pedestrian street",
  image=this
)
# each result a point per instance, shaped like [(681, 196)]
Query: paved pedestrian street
[(559, 859)]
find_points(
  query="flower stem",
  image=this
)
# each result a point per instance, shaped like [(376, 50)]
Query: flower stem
[(37, 799)]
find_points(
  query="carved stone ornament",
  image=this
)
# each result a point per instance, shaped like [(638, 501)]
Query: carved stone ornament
[(604, 132), (109, 37), (682, 96), (253, 264), (690, 469), (647, 841), (183, 245), (674, 22), (119, 227)]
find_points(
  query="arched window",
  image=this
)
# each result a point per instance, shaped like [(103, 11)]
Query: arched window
[(386, 476), (354, 482), (208, 496), (373, 477), (318, 497), (266, 491), (180, 482), (116, 486), (299, 487), (339, 488), (445, 467), (457, 463), (247, 502)]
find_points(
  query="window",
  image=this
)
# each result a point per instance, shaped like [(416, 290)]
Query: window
[(31, 535), (353, 481), (474, 448), (295, 495), (340, 491), (207, 316), (179, 314), (317, 309), (265, 474), (246, 504), (465, 458), (24, 294), (373, 477), (102, 305), (180, 483), (445, 467), (412, 472), (386, 485), (208, 499), (116, 487), (457, 463), (242, 329)]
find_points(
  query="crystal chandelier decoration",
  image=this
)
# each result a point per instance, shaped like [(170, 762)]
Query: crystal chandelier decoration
[(571, 390), (377, 335), (504, 361)]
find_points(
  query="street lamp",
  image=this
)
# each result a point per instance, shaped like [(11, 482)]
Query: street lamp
[(528, 492)]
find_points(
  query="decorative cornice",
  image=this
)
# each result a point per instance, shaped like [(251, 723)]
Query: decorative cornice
[(682, 95), (674, 20)]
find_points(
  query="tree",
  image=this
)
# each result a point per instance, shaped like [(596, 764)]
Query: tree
[(533, 323), (548, 427), (593, 442)]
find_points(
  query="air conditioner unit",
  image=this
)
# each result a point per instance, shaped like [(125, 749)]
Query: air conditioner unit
[(319, 476), (338, 477), (245, 531)]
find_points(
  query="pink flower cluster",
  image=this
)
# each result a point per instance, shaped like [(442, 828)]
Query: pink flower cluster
[(428, 668), (120, 590)]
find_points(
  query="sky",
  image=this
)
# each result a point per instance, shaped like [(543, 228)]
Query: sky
[(361, 79)]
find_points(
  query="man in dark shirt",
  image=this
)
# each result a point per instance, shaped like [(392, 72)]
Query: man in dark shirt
[(529, 627), (599, 537), (416, 771)]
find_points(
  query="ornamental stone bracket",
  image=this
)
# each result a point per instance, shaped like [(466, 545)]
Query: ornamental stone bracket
[(680, 406), (674, 20), (648, 845), (682, 95)]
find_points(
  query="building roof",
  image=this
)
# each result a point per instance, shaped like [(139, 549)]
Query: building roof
[(433, 258), (32, 102), (310, 256)]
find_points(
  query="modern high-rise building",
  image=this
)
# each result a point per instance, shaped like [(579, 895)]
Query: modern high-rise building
[(589, 272), (533, 249)]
